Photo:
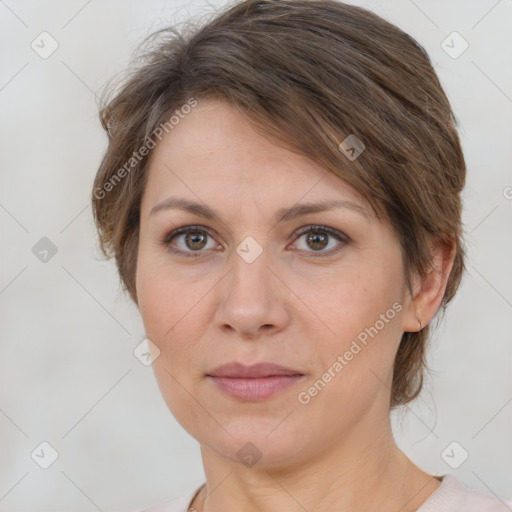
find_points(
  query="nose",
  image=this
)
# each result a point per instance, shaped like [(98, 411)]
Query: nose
[(253, 299)]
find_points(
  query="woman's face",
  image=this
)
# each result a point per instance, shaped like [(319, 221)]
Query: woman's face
[(254, 284)]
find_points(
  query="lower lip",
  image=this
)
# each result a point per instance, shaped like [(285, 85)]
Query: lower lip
[(256, 388)]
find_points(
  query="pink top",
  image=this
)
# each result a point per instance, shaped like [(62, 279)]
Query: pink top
[(451, 496)]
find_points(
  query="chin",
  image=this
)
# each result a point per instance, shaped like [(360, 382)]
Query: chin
[(262, 442)]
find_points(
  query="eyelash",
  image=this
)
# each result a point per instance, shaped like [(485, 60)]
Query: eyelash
[(338, 235)]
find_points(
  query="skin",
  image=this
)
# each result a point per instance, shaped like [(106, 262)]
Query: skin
[(289, 307)]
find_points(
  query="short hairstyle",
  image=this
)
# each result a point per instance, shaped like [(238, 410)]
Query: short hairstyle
[(308, 73)]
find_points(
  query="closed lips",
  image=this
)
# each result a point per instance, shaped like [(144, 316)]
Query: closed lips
[(236, 370)]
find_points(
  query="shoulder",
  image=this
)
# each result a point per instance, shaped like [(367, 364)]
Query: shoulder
[(454, 496), (180, 504)]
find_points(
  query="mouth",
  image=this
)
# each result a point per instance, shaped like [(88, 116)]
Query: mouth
[(253, 383)]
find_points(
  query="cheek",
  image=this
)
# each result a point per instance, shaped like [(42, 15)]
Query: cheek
[(356, 364), (154, 297), (353, 301), (171, 322), (161, 305), (175, 313), (362, 329)]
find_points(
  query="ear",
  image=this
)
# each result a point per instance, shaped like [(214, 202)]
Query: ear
[(428, 292)]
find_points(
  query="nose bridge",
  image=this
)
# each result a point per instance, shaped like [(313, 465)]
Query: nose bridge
[(250, 268), (251, 297), (250, 279)]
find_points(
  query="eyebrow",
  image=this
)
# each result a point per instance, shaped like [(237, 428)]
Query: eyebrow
[(282, 215)]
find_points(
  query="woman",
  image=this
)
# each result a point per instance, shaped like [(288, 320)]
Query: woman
[(281, 191)]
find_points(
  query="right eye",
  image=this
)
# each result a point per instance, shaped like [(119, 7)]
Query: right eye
[(191, 240)]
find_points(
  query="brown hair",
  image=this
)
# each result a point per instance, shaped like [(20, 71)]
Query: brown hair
[(309, 73)]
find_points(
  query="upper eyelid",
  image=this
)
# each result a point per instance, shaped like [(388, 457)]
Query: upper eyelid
[(321, 227), (174, 233)]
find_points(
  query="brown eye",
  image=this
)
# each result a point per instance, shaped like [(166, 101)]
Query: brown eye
[(317, 241), (189, 241), (317, 238), (195, 240)]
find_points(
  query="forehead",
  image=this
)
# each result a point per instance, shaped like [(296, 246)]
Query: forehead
[(215, 153)]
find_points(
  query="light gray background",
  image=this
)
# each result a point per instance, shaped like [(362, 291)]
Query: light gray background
[(68, 374)]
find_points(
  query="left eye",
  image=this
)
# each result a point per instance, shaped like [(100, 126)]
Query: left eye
[(317, 238)]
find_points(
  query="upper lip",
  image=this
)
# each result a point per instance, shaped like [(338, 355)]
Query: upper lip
[(238, 370)]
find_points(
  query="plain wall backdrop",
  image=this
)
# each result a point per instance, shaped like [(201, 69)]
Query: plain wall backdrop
[(68, 375)]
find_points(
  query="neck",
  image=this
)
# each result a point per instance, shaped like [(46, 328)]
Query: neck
[(348, 477)]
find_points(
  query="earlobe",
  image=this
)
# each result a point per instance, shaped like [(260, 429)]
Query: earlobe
[(428, 291)]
